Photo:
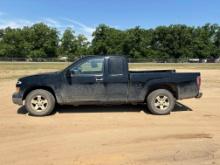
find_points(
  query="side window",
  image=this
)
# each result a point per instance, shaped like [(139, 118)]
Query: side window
[(116, 66), (90, 66)]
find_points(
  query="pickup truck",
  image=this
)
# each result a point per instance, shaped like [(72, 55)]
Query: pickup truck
[(105, 80)]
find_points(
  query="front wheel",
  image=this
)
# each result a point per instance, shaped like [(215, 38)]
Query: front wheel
[(40, 102), (160, 102)]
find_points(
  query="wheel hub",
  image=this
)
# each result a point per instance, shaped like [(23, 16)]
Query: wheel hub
[(39, 103), (161, 102)]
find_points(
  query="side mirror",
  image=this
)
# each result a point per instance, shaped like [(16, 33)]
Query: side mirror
[(72, 72), (68, 73)]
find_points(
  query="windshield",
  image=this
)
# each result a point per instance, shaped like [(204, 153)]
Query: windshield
[(72, 63)]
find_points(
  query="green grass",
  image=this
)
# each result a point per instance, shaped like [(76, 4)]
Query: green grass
[(11, 71), (215, 66), (62, 65), (32, 66)]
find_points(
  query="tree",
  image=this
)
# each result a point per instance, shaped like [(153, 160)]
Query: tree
[(163, 42), (137, 43), (11, 43), (1, 34), (73, 46), (173, 41), (203, 44), (44, 41), (36, 41), (217, 43), (107, 40), (68, 43), (81, 45)]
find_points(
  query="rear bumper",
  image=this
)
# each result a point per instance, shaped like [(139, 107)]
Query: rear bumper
[(17, 99), (199, 95)]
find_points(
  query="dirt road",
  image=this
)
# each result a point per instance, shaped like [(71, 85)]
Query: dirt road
[(117, 135)]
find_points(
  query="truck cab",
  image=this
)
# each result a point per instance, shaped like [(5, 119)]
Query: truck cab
[(96, 80)]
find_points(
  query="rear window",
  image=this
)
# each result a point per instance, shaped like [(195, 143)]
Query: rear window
[(116, 66)]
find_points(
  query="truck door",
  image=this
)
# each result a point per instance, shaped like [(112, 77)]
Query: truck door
[(85, 84), (116, 79)]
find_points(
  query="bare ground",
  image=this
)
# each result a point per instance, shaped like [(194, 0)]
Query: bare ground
[(116, 135)]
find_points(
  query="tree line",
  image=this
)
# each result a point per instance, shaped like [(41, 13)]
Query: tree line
[(162, 42)]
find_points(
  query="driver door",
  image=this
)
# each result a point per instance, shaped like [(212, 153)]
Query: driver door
[(85, 84)]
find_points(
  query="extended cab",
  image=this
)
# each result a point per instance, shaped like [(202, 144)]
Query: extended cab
[(105, 80)]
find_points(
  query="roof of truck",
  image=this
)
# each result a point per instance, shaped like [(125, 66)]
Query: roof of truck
[(86, 56)]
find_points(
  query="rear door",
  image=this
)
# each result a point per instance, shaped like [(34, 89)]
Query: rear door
[(116, 79)]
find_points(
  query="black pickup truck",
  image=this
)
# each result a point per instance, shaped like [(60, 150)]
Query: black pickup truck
[(105, 80)]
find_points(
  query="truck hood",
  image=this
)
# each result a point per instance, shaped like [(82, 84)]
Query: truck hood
[(40, 77)]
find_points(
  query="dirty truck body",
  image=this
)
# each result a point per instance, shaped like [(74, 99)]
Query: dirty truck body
[(105, 80)]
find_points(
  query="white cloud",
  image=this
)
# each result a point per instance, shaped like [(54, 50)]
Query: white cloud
[(60, 24), (52, 22), (18, 23), (84, 27), (81, 28)]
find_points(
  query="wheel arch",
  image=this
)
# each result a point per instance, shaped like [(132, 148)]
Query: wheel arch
[(171, 87), (49, 89)]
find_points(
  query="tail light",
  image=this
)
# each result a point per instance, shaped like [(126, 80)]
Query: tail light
[(198, 81)]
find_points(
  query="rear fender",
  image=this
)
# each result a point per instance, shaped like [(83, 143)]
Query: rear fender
[(165, 83)]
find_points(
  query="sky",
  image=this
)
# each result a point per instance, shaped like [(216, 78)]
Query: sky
[(84, 15)]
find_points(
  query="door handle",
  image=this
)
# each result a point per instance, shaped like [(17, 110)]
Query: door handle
[(99, 79)]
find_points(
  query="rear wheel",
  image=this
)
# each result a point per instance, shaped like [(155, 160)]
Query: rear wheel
[(160, 102), (40, 102)]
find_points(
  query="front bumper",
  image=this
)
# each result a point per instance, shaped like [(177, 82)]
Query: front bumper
[(17, 98), (199, 95)]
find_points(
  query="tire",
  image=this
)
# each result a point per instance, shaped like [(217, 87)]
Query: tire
[(39, 102), (160, 102)]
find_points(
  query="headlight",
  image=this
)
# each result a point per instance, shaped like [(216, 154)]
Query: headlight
[(18, 83)]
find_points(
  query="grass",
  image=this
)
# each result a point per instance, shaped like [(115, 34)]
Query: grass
[(198, 66), (62, 65), (32, 66), (9, 70)]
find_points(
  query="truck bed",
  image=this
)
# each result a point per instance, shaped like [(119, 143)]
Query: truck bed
[(150, 71)]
